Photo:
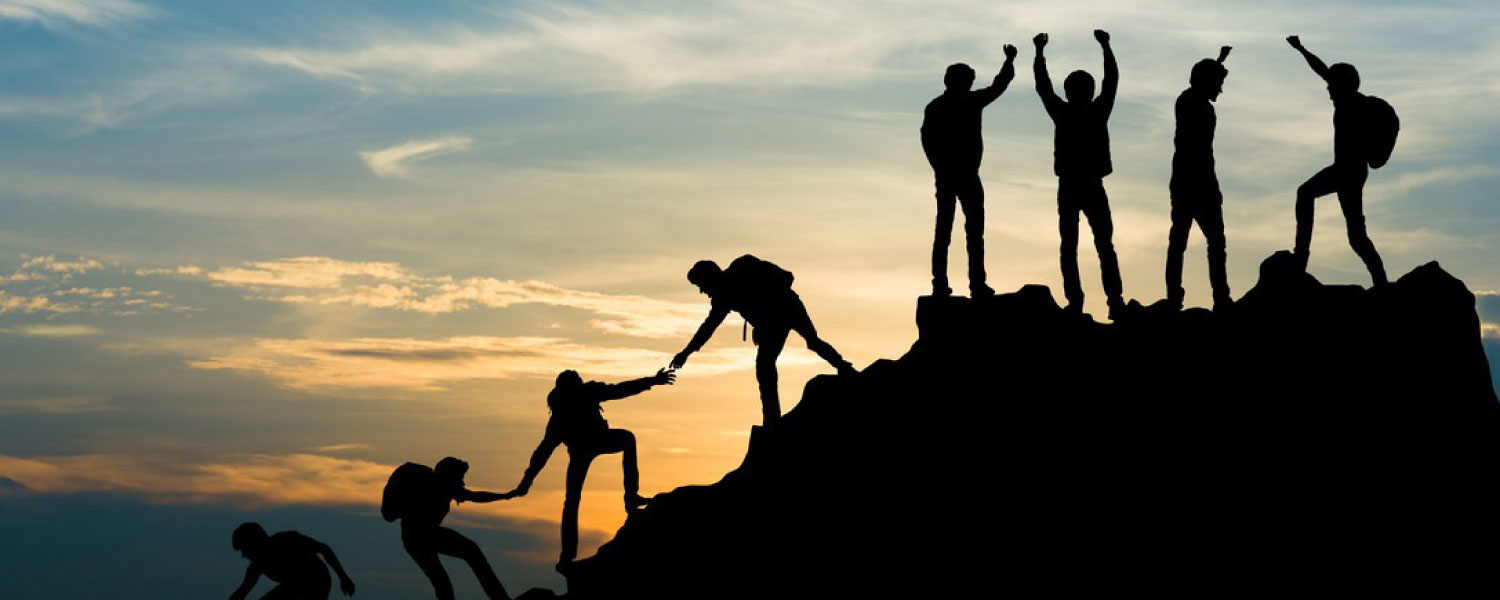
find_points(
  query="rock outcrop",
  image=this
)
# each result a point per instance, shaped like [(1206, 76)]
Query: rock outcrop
[(1313, 438)]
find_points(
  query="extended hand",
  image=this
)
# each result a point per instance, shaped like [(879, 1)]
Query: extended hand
[(1295, 41), (1010, 52), (518, 492), (679, 360), (1102, 36), (347, 585), (1040, 40), (665, 377)]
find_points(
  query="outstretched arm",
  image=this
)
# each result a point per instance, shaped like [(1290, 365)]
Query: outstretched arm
[(252, 575), (1312, 59), (345, 584), (468, 495), (1111, 83), (626, 389), (1050, 101), (1002, 79), (705, 331), (538, 460)]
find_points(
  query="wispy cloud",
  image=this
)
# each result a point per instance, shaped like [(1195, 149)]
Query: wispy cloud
[(92, 13), (56, 405), (13, 303), (49, 266), (426, 365), (395, 160), (58, 331), (388, 285)]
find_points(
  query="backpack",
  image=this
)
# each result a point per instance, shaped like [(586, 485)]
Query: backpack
[(1380, 126), (759, 277), (405, 483)]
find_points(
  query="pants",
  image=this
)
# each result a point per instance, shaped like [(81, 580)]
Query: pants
[(1209, 213), (770, 338), (424, 546), (962, 188), (580, 456), (1348, 181), (1086, 195)]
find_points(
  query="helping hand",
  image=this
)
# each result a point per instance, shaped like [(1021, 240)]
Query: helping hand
[(679, 360), (665, 377)]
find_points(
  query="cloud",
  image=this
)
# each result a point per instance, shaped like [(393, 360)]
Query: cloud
[(426, 365), (58, 331), (47, 267), (57, 405), (393, 161), (92, 13), (344, 448), (387, 285), (12, 303)]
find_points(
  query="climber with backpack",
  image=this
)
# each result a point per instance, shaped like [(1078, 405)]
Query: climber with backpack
[(419, 497), (762, 293), (1364, 134), (577, 421)]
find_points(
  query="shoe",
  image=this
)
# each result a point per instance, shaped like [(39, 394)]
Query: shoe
[(634, 502), (846, 369), (1174, 303), (1116, 309), (564, 567), (1223, 304), (981, 291), (941, 291)]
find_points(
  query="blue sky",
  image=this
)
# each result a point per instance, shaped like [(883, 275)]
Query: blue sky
[(252, 256)]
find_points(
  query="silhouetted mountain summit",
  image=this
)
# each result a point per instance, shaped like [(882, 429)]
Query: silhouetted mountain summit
[(1316, 438)]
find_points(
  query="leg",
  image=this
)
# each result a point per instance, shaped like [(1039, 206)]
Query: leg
[(802, 324), (454, 544), (1323, 183), (578, 469), (421, 550), (1067, 227), (946, 197), (1211, 221), (1177, 236), (1351, 201), (971, 197), (620, 440), (1100, 220), (769, 343)]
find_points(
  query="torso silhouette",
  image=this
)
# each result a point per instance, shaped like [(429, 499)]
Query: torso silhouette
[(1081, 141), (577, 414), (290, 557), (951, 130), (1193, 158), (1348, 117), (430, 504), (748, 287)]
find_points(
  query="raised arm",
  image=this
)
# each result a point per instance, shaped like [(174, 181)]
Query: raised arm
[(1050, 101), (252, 575), (626, 389), (1002, 79), (706, 330), (1111, 83), (345, 583), (538, 460), (1312, 59)]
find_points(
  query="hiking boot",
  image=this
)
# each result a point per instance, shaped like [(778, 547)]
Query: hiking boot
[(941, 291), (564, 567), (1174, 303), (1222, 304), (845, 368), (1116, 309), (634, 502), (981, 291)]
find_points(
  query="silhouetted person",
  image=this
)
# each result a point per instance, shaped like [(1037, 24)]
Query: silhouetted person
[(1355, 149), (291, 560), (420, 498), (953, 144), (762, 293), (1195, 187), (1081, 161), (578, 422)]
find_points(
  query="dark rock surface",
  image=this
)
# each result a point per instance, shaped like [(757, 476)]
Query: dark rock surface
[(1313, 439)]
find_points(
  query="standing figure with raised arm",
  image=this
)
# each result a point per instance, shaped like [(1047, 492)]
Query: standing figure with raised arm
[(762, 293), (953, 144), (420, 497), (1081, 161), (577, 422), (291, 560), (1364, 133), (1194, 186)]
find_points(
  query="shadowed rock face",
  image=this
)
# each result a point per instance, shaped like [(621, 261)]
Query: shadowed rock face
[(1315, 438)]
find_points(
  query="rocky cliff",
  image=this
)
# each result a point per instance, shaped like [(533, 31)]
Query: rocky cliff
[(1314, 438)]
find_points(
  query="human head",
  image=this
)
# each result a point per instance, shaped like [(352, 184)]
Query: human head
[(1343, 80), (247, 538), (1208, 78), (569, 378), (451, 469), (959, 77), (1079, 87), (706, 275)]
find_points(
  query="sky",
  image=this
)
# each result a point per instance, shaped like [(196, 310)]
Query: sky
[(253, 256)]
